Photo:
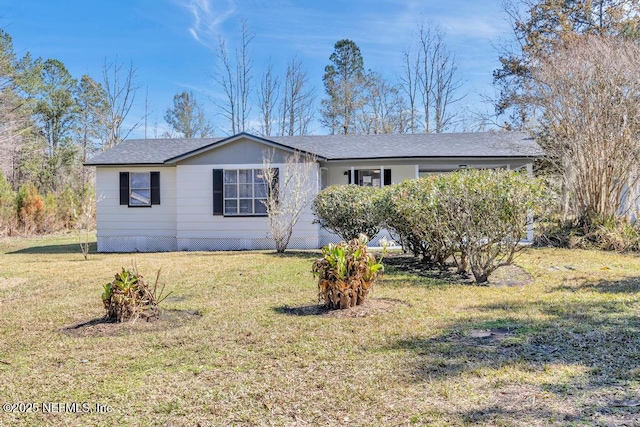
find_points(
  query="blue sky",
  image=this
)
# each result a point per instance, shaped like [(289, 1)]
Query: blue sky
[(171, 42)]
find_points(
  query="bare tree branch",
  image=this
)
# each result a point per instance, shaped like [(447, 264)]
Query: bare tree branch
[(291, 187)]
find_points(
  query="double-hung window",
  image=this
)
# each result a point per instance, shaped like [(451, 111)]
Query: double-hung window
[(245, 192), (139, 189)]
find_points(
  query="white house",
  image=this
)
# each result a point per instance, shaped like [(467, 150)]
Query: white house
[(205, 194)]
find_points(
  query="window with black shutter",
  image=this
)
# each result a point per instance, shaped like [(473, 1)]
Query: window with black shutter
[(139, 189), (240, 192)]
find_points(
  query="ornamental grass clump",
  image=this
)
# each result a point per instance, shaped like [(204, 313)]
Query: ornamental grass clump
[(128, 297), (346, 272)]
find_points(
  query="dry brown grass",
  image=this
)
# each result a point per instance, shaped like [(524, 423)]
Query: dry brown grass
[(560, 350)]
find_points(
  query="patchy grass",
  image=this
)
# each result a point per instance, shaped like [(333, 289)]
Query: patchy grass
[(560, 349)]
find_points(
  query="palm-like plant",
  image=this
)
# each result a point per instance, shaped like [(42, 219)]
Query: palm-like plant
[(128, 297), (346, 272)]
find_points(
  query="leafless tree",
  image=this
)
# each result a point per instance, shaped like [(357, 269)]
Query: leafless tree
[(235, 81), (430, 78), (384, 109), (291, 187), (587, 92), (267, 99), (120, 87), (15, 129), (409, 81), (296, 107)]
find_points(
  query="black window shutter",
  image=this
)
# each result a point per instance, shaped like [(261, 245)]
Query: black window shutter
[(218, 196), (155, 188), (387, 177), (124, 188)]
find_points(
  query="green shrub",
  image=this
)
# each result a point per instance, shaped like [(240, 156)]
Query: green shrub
[(348, 210), (485, 214), (475, 217), (68, 203), (49, 221), (346, 272), (128, 297), (8, 210), (410, 211)]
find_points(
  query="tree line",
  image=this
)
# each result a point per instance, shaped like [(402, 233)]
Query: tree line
[(50, 123), (568, 75), (357, 101)]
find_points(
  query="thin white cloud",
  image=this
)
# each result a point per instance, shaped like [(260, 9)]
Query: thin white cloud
[(207, 19), (473, 26)]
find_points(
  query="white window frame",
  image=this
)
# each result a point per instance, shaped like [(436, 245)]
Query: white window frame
[(255, 201), (138, 200)]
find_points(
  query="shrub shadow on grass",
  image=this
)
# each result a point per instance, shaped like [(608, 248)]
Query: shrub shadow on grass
[(594, 346), (601, 336), (630, 285), (499, 415), (302, 310), (371, 307), (72, 248), (310, 255), (420, 273), (399, 264)]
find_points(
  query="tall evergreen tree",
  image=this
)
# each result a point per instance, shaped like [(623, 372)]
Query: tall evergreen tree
[(55, 110), (344, 82), (187, 118), (91, 102)]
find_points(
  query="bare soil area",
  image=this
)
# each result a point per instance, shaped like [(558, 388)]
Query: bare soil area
[(102, 326)]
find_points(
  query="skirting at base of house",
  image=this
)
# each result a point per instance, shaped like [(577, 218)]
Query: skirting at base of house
[(137, 244), (326, 237), (169, 244)]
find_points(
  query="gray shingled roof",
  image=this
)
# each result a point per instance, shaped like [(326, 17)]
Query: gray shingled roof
[(337, 147), (148, 151), (479, 144)]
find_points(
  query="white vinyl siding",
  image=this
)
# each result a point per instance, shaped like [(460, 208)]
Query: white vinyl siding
[(114, 219), (195, 210)]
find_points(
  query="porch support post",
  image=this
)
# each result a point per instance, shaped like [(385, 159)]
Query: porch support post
[(381, 176), (353, 175), (417, 171)]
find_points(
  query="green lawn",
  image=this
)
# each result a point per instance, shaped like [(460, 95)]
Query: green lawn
[(562, 350)]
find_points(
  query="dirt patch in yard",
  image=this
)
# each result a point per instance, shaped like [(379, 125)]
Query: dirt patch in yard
[(510, 275), (102, 327), (11, 282), (371, 307)]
